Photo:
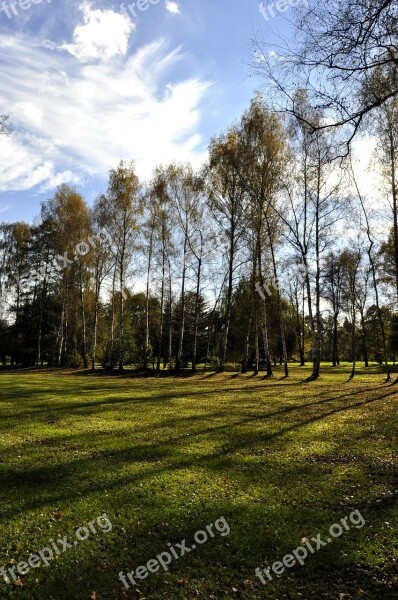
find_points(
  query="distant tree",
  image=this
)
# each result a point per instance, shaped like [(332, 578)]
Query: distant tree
[(394, 336), (350, 262), (332, 290)]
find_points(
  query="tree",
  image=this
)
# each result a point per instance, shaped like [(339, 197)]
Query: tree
[(227, 206), (336, 50), (150, 232), (313, 206), (125, 207), (16, 242), (185, 191), (350, 261), (386, 129), (332, 290), (373, 268), (163, 251), (102, 264), (68, 216), (263, 162)]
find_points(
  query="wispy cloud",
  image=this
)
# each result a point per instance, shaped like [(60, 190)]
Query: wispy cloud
[(75, 117)]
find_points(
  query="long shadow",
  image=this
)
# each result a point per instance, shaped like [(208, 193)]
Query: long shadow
[(149, 400), (39, 488), (206, 416), (144, 453)]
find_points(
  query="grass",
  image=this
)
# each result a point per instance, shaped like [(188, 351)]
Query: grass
[(280, 460)]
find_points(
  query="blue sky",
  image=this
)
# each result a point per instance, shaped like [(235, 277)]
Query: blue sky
[(87, 84)]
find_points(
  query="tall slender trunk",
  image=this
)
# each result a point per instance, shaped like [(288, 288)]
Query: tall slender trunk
[(394, 193), (210, 328), (364, 337), (159, 357), (182, 324), (353, 343), (170, 349), (146, 350), (83, 317), (395, 210), (196, 324), (303, 326), (317, 330), (95, 321), (121, 309), (66, 336), (256, 345), (60, 336), (267, 354), (280, 308), (95, 334), (229, 299), (112, 325), (354, 319), (310, 311), (264, 321), (335, 349), (40, 330), (374, 277), (247, 345), (300, 339)]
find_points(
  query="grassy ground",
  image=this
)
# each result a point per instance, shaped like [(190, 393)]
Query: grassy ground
[(280, 460)]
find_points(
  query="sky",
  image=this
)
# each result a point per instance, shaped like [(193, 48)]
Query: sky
[(89, 83)]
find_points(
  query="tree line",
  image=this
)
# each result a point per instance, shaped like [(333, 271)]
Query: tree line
[(267, 254)]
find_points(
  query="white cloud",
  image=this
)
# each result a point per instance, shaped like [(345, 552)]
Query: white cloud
[(30, 163), (368, 178), (27, 112), (105, 34), (173, 8), (75, 120)]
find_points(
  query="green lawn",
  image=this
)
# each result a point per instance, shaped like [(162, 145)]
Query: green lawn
[(280, 460)]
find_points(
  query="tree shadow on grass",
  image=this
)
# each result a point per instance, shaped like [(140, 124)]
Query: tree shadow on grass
[(166, 488)]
